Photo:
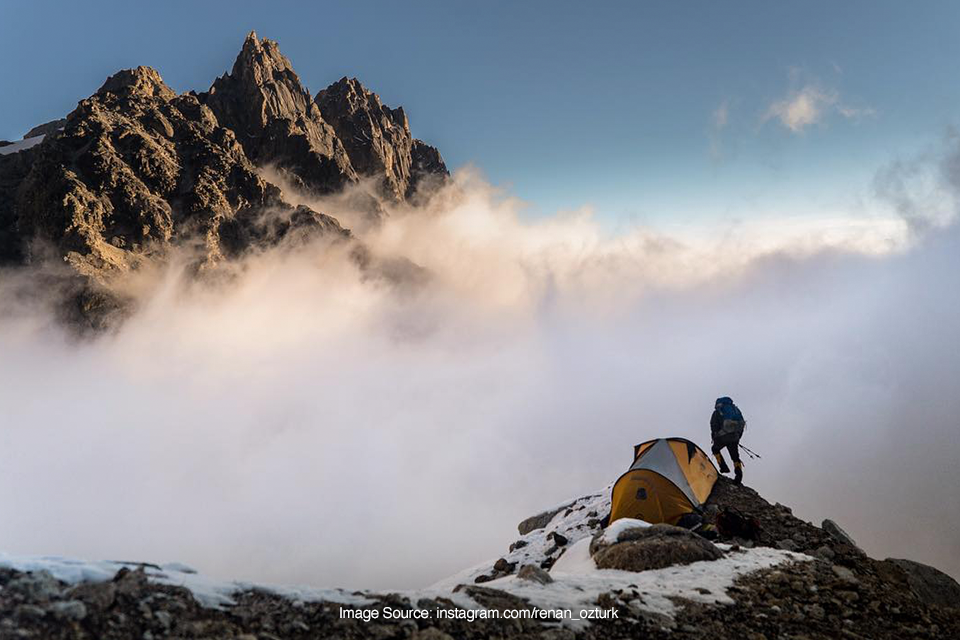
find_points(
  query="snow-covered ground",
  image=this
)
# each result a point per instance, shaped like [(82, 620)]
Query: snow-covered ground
[(572, 522), (577, 582), (20, 145), (209, 592)]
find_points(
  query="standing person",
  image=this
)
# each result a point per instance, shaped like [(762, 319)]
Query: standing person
[(726, 428)]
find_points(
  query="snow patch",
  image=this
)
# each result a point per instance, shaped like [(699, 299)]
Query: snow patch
[(21, 145), (576, 559), (612, 533)]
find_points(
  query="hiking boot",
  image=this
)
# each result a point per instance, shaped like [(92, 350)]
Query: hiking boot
[(738, 473), (723, 464)]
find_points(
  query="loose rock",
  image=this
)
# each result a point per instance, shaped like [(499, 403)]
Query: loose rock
[(534, 573)]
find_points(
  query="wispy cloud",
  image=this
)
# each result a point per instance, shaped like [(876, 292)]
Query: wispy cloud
[(721, 115), (924, 190), (810, 105), (718, 122), (855, 112), (802, 108)]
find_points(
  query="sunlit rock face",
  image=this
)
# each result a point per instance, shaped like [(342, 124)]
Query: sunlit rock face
[(275, 120), (377, 138)]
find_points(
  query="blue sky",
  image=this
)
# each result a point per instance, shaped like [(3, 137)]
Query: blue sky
[(648, 112)]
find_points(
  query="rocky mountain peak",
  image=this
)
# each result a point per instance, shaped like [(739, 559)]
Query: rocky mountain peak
[(376, 138), (349, 96), (139, 82), (136, 171), (343, 135), (261, 56), (264, 103), (261, 86)]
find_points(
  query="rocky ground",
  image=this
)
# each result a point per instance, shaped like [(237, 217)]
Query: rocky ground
[(835, 592)]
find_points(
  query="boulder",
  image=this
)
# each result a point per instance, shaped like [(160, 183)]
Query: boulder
[(519, 544), (653, 547), (930, 585), (540, 520), (838, 533), (622, 530), (558, 539), (504, 566)]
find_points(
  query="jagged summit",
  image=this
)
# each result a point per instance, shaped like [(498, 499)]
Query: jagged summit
[(376, 137), (343, 135), (136, 170), (269, 78), (262, 100), (257, 55)]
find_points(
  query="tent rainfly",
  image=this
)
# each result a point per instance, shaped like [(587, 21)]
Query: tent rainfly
[(668, 478)]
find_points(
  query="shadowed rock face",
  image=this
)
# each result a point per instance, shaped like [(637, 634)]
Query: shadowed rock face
[(136, 169)]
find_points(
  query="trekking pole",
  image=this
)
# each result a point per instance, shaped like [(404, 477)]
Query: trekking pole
[(750, 453)]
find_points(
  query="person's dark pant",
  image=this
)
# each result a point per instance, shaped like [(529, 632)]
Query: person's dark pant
[(730, 441)]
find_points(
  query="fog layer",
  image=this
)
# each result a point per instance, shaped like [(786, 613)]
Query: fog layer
[(309, 421)]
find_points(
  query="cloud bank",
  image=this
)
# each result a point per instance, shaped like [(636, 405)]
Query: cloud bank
[(310, 421)]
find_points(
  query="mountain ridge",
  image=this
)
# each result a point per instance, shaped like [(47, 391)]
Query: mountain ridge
[(137, 171)]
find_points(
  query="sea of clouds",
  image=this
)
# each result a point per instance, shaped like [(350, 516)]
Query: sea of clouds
[(309, 420)]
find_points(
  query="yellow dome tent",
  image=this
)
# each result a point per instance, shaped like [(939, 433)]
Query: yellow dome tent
[(668, 478)]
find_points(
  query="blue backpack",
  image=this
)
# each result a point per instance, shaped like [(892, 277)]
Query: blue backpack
[(733, 421)]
